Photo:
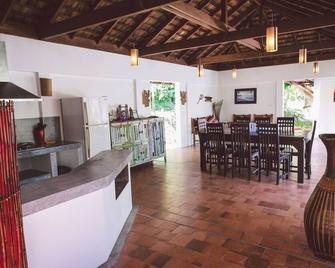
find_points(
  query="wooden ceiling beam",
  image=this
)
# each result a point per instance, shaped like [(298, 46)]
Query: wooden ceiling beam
[(252, 64), (136, 26), (147, 40), (237, 7), (294, 12), (102, 15), (317, 22), (317, 46), (54, 11), (196, 16), (6, 6), (108, 28)]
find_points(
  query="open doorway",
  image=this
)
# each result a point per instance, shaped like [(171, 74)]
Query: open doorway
[(163, 104), (298, 101)]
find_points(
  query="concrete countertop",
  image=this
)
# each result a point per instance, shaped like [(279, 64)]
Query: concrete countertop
[(49, 148), (95, 174)]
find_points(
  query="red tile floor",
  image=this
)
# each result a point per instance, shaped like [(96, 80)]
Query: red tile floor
[(187, 218)]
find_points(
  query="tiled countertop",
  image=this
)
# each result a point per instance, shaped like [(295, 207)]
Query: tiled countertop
[(93, 175)]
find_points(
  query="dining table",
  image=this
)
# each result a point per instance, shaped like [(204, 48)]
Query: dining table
[(297, 140)]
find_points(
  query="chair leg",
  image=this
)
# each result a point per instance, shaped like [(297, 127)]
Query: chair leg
[(232, 166), (249, 168), (210, 164), (278, 172), (225, 165), (259, 169)]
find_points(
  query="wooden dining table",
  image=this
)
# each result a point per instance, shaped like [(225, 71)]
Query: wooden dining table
[(298, 140)]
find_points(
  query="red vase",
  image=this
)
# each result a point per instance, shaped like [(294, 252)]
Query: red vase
[(40, 136)]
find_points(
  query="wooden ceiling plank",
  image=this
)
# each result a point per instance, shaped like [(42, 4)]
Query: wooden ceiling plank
[(196, 16), (6, 6), (293, 13), (108, 28), (102, 15), (138, 25), (317, 22), (237, 7), (317, 46), (147, 40)]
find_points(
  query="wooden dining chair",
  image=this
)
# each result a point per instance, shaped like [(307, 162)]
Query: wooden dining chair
[(285, 125), (263, 118), (216, 150), (269, 150), (308, 152), (243, 153), (241, 118)]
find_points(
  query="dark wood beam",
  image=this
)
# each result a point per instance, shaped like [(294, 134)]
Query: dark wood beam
[(147, 40), (224, 11), (317, 22), (102, 15), (6, 6), (108, 28), (196, 16), (311, 47), (133, 29), (294, 12), (253, 64), (53, 11)]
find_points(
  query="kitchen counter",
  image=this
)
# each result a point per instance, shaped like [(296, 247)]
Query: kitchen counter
[(48, 149), (95, 174), (74, 220)]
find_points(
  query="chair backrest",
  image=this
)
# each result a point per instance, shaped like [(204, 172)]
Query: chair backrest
[(215, 128), (240, 137), (268, 140), (309, 144), (202, 123), (285, 125), (263, 118), (241, 118)]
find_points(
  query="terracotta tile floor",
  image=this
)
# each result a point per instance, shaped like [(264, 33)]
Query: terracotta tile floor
[(187, 218)]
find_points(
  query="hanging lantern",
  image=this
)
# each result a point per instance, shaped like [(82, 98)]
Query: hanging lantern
[(271, 39), (134, 57), (302, 56), (234, 73), (316, 67), (200, 70)]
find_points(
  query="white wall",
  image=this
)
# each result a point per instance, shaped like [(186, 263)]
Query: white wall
[(84, 72), (269, 82)]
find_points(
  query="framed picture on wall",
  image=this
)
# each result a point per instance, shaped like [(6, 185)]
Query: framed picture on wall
[(245, 95)]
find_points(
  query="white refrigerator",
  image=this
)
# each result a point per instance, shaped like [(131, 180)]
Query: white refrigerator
[(86, 120)]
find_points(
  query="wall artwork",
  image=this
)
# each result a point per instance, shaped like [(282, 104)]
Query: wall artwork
[(246, 96), (146, 98), (183, 97)]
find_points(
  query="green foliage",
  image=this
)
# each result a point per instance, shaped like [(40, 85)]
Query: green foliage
[(163, 97), (291, 94)]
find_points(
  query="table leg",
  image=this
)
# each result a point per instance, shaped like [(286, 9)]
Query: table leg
[(53, 164), (202, 155), (301, 162)]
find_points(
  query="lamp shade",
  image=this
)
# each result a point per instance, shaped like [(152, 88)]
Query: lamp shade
[(46, 87), (200, 70), (303, 56), (316, 67), (271, 39), (234, 73), (134, 57)]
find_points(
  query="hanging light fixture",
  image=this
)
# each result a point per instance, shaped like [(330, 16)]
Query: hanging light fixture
[(200, 69), (234, 73), (134, 57), (316, 67), (302, 56), (272, 38)]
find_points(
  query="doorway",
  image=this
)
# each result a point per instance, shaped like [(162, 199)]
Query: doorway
[(163, 104), (298, 102)]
